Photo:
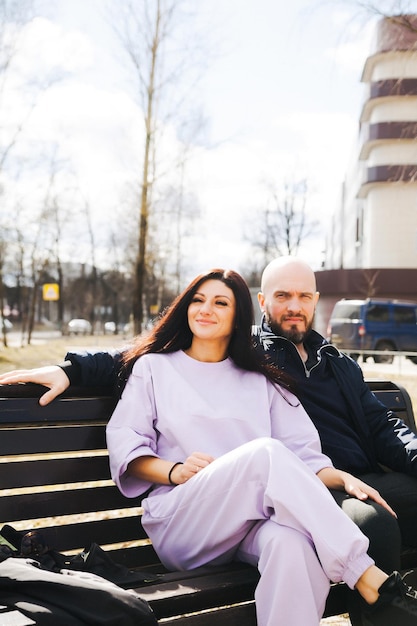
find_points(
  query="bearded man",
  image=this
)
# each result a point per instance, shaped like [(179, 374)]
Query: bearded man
[(357, 432)]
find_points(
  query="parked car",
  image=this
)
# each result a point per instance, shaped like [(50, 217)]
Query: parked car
[(374, 324), (109, 328), (79, 327)]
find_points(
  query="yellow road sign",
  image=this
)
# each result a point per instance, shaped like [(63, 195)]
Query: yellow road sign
[(50, 291)]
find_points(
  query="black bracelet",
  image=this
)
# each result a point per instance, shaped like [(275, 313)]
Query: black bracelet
[(171, 482)]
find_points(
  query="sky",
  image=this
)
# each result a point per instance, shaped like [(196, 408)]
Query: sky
[(281, 94)]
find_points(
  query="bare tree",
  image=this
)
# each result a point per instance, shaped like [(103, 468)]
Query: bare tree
[(370, 278), (186, 209), (38, 259), (56, 217), (282, 224), (381, 8), (2, 302), (94, 271), (400, 12), (24, 87), (150, 33), (14, 16), (142, 27)]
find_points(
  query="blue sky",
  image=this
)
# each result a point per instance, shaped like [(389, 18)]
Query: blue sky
[(281, 95)]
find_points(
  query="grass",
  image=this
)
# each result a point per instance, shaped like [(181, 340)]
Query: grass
[(53, 351)]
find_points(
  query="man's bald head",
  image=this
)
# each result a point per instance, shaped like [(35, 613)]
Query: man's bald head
[(288, 269), (288, 298)]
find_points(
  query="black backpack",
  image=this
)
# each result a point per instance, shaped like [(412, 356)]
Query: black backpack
[(66, 598), (39, 585)]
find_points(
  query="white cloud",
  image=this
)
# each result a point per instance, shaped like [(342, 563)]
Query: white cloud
[(45, 45)]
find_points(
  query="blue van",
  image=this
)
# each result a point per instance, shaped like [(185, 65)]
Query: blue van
[(374, 324)]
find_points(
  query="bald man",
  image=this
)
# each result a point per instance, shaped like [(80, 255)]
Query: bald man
[(357, 432)]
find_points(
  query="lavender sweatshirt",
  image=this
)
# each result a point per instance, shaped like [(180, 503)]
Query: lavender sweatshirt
[(174, 405)]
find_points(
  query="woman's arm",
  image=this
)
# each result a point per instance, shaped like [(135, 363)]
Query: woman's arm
[(156, 470)]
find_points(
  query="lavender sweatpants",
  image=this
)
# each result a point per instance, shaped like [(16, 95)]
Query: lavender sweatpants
[(261, 504)]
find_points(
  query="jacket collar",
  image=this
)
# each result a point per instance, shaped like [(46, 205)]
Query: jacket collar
[(314, 342)]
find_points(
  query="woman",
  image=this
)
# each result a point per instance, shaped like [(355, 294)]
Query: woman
[(234, 463)]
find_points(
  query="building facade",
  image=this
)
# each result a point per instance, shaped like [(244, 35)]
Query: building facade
[(371, 248), (376, 223)]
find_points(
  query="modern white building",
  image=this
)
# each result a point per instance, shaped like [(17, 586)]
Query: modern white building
[(375, 225), (371, 249)]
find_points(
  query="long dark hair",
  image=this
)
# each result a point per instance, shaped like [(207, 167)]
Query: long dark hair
[(172, 332)]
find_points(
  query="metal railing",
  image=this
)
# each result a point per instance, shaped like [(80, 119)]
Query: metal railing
[(394, 357)]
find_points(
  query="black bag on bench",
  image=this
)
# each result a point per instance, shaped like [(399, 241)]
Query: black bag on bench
[(93, 559), (69, 598)]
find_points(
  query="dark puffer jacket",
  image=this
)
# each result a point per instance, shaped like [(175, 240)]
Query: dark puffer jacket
[(383, 437)]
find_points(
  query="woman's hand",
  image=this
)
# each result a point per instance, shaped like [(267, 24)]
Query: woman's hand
[(191, 466), (336, 479), (51, 376)]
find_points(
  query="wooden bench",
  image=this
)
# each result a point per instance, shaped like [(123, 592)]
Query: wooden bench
[(54, 476)]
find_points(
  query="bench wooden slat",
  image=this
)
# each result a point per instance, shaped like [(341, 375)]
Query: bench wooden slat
[(231, 615), (47, 439), (28, 410), (137, 557), (54, 503), (72, 536), (34, 391), (53, 471), (206, 590), (235, 615)]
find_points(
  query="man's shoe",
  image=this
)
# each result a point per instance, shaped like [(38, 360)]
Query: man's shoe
[(396, 605)]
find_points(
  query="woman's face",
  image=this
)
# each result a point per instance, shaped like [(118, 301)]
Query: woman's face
[(211, 313)]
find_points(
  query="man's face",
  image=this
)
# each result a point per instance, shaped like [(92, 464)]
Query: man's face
[(289, 302)]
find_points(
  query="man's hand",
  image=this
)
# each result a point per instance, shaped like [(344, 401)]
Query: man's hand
[(337, 479), (51, 376), (362, 491)]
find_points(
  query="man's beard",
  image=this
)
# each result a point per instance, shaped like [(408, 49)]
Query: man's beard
[(293, 334)]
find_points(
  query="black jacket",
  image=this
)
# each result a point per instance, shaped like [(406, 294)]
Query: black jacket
[(384, 438), (94, 369)]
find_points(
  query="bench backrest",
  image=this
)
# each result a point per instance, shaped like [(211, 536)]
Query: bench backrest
[(396, 398), (54, 470), (54, 474)]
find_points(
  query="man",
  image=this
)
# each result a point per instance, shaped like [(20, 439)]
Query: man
[(357, 432)]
